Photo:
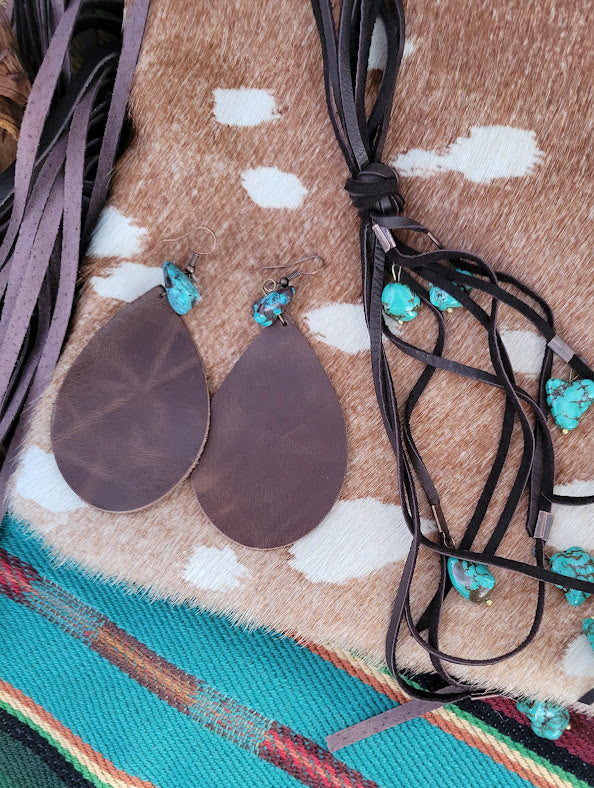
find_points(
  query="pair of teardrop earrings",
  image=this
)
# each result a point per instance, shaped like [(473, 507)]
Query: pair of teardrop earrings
[(133, 418)]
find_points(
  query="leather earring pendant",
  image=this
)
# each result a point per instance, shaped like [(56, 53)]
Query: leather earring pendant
[(131, 417), (276, 455)]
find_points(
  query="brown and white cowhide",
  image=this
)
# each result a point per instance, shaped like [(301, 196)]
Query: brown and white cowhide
[(491, 132)]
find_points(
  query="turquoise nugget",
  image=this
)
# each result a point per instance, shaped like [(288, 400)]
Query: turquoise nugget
[(444, 301), (474, 581), (546, 719), (400, 302), (569, 400), (573, 562), (588, 627), (182, 293), (268, 308)]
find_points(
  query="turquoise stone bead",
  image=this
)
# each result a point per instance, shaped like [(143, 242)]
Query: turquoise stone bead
[(268, 308), (569, 400), (588, 627), (182, 293), (400, 302), (546, 719), (442, 300), (573, 562), (474, 581)]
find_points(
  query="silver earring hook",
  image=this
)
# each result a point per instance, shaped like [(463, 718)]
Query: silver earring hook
[(296, 262), (202, 227), (195, 255), (285, 280)]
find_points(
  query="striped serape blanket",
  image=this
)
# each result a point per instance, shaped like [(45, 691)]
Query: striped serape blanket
[(100, 686)]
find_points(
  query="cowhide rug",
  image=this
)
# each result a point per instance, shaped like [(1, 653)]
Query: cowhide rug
[(491, 133)]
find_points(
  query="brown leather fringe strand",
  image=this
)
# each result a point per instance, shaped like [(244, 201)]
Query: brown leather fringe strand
[(81, 66)]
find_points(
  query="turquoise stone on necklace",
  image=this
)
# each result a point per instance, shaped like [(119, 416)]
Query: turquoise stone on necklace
[(268, 308), (574, 562), (568, 401), (182, 293), (444, 301), (400, 302), (546, 719), (588, 627), (474, 581)]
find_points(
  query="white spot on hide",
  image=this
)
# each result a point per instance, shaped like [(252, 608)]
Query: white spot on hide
[(244, 106), (39, 480), (526, 350), (343, 326), (115, 235), (378, 49), (270, 188), (489, 152), (340, 325), (573, 525), (379, 46), (409, 47), (392, 325), (578, 660), (214, 569), (128, 281), (355, 538)]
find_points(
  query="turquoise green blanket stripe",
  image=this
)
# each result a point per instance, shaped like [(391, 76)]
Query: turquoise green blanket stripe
[(275, 677)]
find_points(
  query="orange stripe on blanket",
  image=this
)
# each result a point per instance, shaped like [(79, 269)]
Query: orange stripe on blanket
[(82, 752)]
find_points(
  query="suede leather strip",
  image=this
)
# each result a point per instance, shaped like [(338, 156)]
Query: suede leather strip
[(381, 722), (66, 150)]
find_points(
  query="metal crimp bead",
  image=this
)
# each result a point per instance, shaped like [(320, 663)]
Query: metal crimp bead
[(543, 526), (561, 348)]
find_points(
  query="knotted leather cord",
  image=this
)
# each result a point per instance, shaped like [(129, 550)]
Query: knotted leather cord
[(51, 198), (374, 190)]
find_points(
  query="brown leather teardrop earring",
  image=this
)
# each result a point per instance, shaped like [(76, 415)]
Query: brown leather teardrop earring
[(276, 455), (131, 417)]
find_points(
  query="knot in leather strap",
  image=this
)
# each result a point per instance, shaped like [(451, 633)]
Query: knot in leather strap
[(374, 191)]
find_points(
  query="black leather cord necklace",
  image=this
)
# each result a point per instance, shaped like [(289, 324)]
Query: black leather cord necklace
[(374, 191)]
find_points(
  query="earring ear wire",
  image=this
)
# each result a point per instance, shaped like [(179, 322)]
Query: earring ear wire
[(185, 235), (299, 272), (189, 269)]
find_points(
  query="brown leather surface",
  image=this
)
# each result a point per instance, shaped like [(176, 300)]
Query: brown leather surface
[(275, 458), (383, 721), (131, 417)]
